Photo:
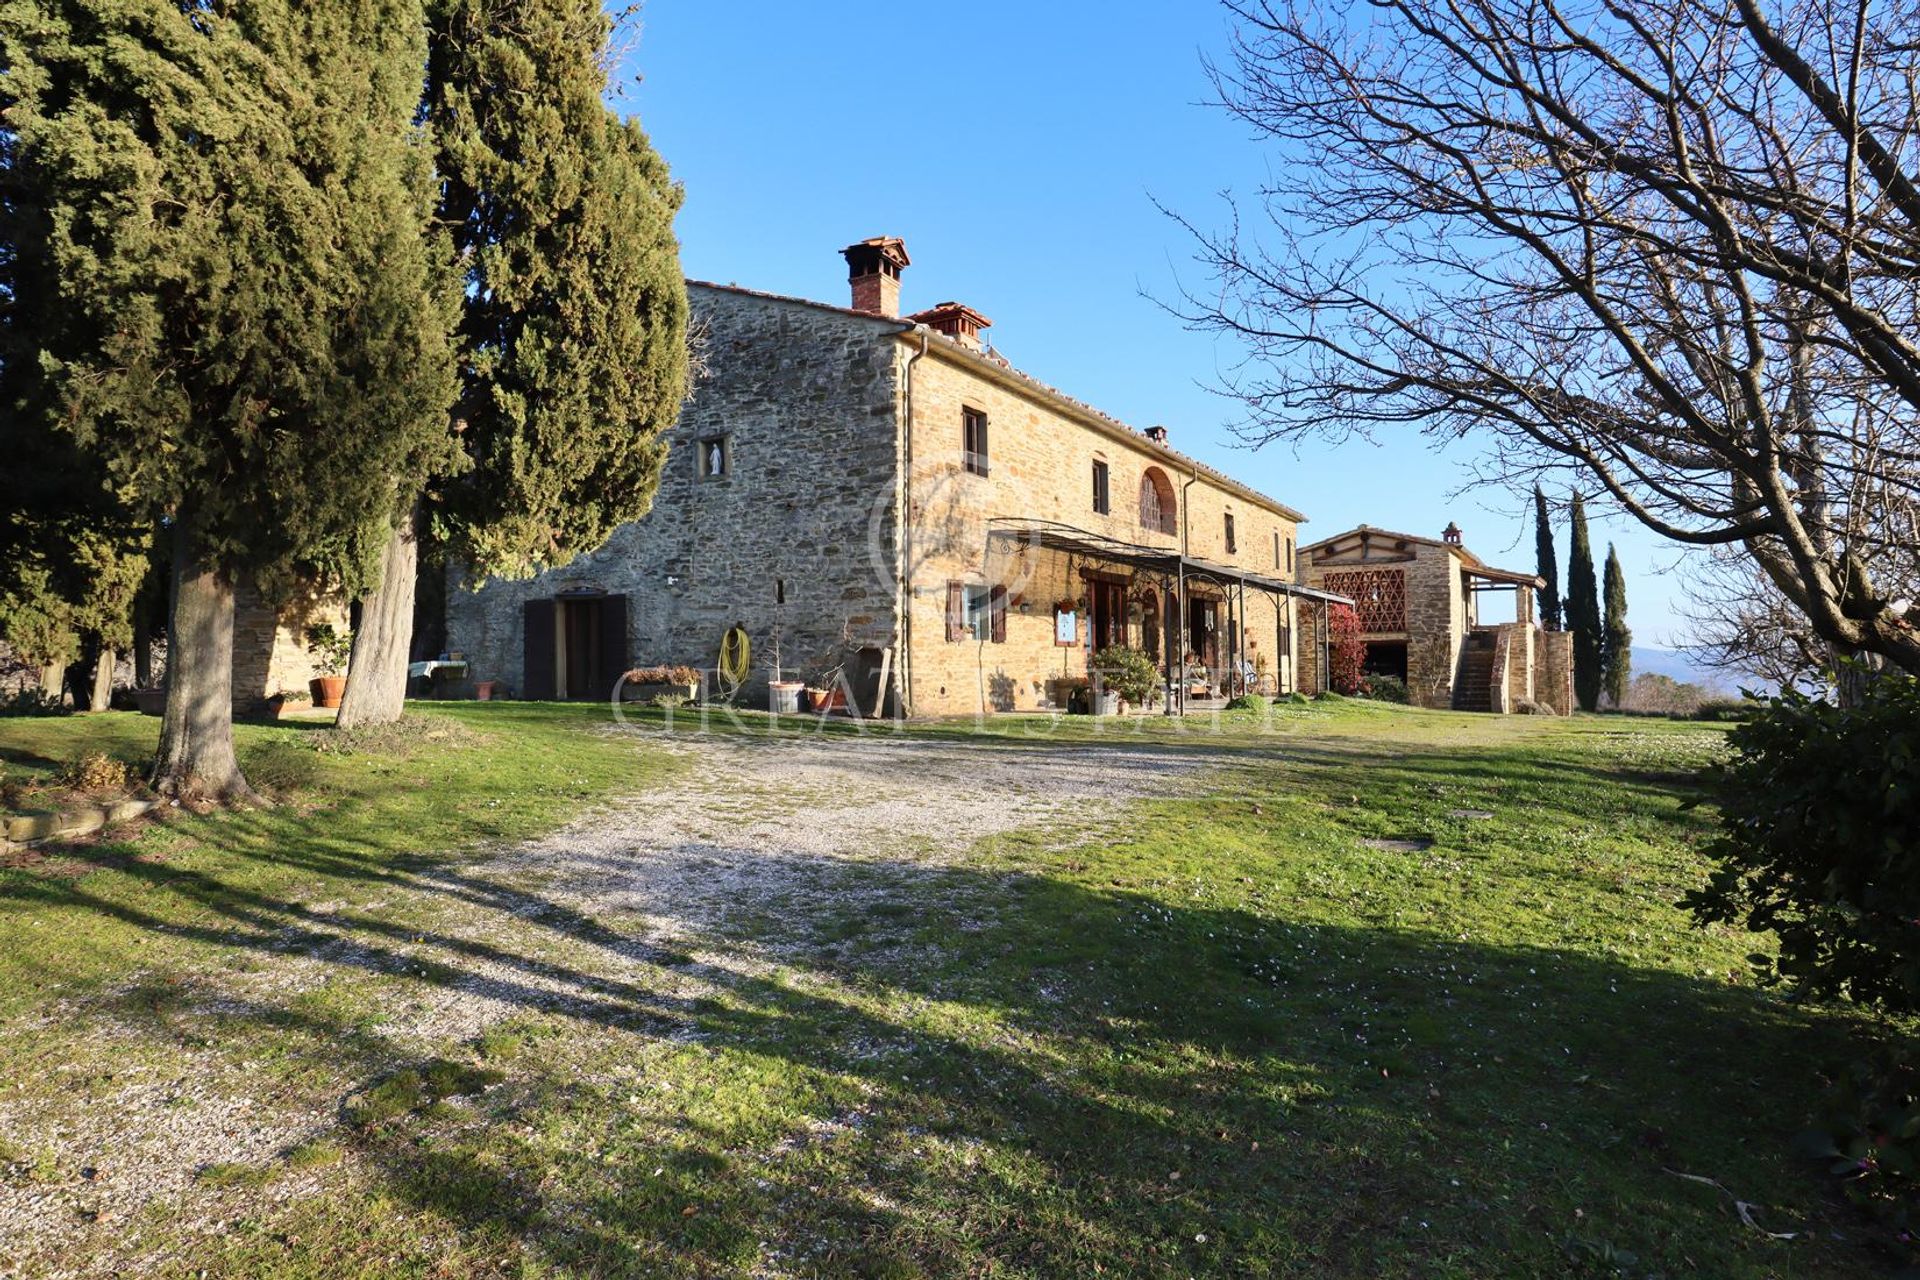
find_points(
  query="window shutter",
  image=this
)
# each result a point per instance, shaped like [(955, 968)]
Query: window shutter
[(956, 611), (538, 678), (997, 615)]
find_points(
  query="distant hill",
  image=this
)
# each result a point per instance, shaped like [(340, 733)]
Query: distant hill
[(1678, 664)]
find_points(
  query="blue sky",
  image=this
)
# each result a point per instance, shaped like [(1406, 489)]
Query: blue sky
[(1018, 149)]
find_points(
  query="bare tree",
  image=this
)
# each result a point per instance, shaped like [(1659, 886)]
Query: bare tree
[(1741, 624), (1668, 244)]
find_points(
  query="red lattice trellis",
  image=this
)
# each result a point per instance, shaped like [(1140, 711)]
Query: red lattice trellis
[(1380, 595)]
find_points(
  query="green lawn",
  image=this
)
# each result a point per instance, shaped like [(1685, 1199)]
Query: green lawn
[(1212, 1030)]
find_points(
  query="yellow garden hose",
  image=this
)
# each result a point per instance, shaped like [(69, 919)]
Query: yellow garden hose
[(736, 656)]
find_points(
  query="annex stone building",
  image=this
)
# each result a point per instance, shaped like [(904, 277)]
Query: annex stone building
[(1419, 603)]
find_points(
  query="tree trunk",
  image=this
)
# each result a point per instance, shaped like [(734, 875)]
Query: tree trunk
[(100, 691), (377, 675), (53, 685), (196, 734), (142, 649), (1854, 672)]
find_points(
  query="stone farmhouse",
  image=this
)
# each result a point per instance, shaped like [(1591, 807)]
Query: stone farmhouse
[(1419, 605), (882, 503)]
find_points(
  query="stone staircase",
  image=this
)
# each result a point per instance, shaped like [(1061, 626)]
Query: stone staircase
[(1473, 690)]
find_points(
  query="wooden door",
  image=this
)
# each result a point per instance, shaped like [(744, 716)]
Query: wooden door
[(539, 675), (610, 647), (579, 646)]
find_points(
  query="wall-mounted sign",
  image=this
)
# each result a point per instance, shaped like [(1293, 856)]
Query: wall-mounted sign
[(1066, 627)]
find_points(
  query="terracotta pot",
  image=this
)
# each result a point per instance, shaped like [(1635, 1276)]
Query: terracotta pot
[(327, 690), (483, 690), (820, 701)]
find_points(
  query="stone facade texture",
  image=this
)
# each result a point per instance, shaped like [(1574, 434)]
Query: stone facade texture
[(796, 542), (1041, 459), (270, 654), (848, 513)]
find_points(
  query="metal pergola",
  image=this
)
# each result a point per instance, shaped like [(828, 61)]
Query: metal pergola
[(1010, 535)]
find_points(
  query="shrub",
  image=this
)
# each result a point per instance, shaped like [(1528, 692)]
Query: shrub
[(1127, 672), (663, 675), (96, 771), (1721, 709), (1387, 689), (669, 701), (1249, 702), (32, 702), (1348, 656), (1820, 843), (1868, 1135), (1820, 846)]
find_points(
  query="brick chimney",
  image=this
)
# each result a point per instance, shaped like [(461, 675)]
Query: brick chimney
[(873, 269), (1157, 434), (957, 320), (1451, 533)]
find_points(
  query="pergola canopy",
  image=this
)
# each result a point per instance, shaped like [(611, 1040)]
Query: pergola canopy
[(1047, 535)]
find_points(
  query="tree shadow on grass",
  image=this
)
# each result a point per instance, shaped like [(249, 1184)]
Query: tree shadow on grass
[(907, 1069)]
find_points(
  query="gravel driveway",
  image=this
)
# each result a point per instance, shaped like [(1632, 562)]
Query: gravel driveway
[(621, 920)]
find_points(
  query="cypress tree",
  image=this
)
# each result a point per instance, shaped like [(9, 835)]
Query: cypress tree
[(237, 297), (573, 333), (1583, 612), (1546, 562), (1617, 640)]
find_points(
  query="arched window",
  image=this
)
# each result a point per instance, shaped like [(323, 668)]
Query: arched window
[(1156, 501)]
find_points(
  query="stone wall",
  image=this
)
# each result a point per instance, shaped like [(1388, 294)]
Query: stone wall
[(1040, 466), (797, 540), (1553, 680), (270, 646)]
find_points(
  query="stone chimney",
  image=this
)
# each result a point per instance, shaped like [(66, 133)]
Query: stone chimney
[(1157, 434), (957, 320), (873, 269), (1452, 534)]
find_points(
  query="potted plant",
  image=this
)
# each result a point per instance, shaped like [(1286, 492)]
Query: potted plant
[(783, 696), (331, 649), (826, 685), (647, 684), (1126, 675)]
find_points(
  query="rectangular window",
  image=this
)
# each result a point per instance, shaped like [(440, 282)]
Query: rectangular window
[(956, 611), (716, 457), (1102, 498), (1231, 547), (973, 430), (1276, 548), (1289, 555), (982, 606)]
